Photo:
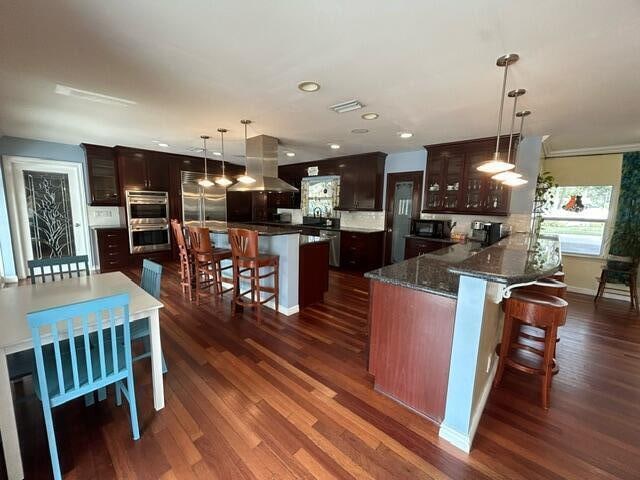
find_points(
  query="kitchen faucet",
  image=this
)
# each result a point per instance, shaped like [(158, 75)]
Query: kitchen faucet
[(317, 211)]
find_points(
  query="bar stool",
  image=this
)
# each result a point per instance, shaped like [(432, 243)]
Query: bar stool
[(537, 310), (245, 258), (208, 263), (187, 272)]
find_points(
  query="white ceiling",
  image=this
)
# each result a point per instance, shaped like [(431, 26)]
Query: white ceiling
[(425, 66)]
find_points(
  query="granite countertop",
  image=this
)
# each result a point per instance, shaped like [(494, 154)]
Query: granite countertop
[(321, 227), (443, 240), (263, 230), (515, 259)]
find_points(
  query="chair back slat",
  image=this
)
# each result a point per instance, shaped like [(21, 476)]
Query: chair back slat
[(73, 351), (244, 243), (56, 349), (151, 277), (48, 266), (200, 240), (178, 235), (68, 351)]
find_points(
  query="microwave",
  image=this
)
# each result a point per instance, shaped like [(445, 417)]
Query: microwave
[(432, 228)]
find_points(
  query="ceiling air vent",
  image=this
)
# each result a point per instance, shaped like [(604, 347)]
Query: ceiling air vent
[(345, 107)]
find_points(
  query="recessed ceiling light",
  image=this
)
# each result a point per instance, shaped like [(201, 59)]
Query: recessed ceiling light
[(359, 130), (309, 86), (334, 146), (217, 154), (405, 134), (163, 144), (290, 154), (369, 116)]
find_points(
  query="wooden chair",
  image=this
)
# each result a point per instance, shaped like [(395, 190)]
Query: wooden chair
[(187, 273), (208, 263), (537, 310), (69, 368), (245, 258), (622, 272), (48, 267)]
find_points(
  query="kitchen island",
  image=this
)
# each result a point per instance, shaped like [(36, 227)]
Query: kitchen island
[(293, 250), (435, 321)]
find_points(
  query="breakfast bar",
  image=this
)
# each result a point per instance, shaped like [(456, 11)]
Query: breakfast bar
[(437, 356)]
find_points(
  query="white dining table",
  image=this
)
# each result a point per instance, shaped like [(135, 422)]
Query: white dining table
[(15, 336)]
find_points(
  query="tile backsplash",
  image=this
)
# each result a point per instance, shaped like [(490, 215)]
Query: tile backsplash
[(373, 220), (518, 222)]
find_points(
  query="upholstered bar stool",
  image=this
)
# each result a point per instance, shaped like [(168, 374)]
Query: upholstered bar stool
[(208, 263), (537, 310), (247, 263), (187, 267)]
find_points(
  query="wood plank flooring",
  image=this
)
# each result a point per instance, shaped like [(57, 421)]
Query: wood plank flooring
[(292, 399)]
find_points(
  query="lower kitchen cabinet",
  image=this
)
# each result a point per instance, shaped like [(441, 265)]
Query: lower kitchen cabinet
[(361, 251), (113, 249), (419, 246), (313, 274)]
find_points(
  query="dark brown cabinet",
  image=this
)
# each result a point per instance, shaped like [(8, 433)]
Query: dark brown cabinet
[(113, 248), (103, 175), (259, 206), (361, 251), (239, 207), (454, 185), (419, 246), (361, 182), (143, 169)]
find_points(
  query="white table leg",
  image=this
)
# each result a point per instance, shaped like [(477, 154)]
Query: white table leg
[(156, 360), (8, 427)]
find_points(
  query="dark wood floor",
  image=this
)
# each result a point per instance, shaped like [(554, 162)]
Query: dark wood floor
[(291, 399)]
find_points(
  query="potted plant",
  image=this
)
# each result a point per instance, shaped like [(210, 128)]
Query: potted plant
[(543, 198)]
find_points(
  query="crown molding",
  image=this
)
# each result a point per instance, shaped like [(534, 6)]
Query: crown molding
[(577, 152)]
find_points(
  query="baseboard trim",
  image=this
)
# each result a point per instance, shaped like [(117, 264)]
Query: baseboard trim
[(592, 292), (10, 279), (464, 441)]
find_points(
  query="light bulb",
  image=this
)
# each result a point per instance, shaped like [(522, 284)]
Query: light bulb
[(246, 179), (223, 181)]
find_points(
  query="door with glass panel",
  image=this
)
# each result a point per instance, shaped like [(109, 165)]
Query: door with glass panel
[(403, 205), (47, 208)]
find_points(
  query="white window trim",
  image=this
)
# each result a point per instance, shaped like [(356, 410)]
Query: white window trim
[(608, 225)]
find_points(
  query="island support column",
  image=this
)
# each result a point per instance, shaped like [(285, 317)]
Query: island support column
[(476, 332)]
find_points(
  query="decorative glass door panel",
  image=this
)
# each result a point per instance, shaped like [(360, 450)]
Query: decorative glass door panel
[(51, 225), (453, 180), (402, 206)]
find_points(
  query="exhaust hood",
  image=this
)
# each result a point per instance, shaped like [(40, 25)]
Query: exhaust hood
[(262, 164)]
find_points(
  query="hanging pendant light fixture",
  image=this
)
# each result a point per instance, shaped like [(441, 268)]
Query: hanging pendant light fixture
[(205, 182), (510, 174), (515, 182), (495, 165), (246, 179), (223, 181)]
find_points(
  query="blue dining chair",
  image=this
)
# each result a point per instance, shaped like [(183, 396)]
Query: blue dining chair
[(150, 282), (69, 368)]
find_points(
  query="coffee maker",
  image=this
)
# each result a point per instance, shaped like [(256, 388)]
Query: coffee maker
[(487, 232)]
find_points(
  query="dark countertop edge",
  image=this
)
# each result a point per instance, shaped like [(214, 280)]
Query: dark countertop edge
[(443, 240), (399, 283), (505, 279)]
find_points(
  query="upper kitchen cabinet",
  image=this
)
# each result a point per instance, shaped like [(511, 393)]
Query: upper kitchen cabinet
[(454, 185), (143, 169), (103, 175), (361, 181)]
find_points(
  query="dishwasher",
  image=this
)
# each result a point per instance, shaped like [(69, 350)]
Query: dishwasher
[(334, 246)]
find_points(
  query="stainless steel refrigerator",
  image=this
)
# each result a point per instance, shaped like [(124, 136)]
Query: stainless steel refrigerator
[(200, 204)]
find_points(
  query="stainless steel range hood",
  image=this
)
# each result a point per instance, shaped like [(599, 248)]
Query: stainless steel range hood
[(262, 164)]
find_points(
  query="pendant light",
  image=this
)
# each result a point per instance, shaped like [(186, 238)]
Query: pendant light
[(510, 174), (246, 179), (495, 165), (223, 181), (515, 182), (205, 182)]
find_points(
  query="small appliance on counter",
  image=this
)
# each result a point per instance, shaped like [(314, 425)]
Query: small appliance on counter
[(281, 217), (488, 232), (432, 228)]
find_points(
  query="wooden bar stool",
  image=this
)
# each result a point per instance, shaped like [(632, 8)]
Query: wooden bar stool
[(208, 263), (537, 310), (244, 248), (187, 266)]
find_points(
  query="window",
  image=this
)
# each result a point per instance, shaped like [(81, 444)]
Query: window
[(320, 195), (579, 216)]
